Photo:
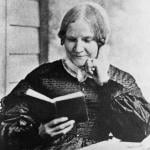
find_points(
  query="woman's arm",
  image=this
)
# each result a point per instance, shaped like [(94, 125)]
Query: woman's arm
[(18, 129), (21, 125), (130, 112)]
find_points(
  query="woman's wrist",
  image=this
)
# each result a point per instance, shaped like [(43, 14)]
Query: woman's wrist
[(102, 80)]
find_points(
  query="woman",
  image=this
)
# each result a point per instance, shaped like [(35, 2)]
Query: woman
[(114, 101)]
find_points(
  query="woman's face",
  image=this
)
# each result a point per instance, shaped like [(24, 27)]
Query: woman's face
[(79, 43)]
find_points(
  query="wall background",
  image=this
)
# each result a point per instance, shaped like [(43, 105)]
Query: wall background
[(130, 40)]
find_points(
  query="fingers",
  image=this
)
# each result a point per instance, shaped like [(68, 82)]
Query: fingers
[(63, 129), (57, 121), (104, 53), (98, 70), (90, 67), (64, 125), (56, 127)]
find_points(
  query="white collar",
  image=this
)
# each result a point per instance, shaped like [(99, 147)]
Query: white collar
[(73, 70)]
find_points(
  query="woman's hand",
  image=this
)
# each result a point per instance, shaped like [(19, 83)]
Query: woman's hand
[(98, 68), (56, 127)]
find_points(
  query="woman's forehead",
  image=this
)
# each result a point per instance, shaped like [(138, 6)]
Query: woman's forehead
[(79, 28)]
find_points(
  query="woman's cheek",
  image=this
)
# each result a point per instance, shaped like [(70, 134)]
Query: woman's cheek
[(92, 53), (69, 47)]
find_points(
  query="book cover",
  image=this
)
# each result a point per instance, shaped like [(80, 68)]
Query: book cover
[(71, 105)]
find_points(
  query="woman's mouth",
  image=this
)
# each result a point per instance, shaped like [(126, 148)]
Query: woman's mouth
[(78, 55)]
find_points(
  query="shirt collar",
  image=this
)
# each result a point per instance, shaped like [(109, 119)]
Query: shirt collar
[(73, 70)]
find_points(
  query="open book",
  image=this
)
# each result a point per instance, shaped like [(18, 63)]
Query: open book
[(71, 105)]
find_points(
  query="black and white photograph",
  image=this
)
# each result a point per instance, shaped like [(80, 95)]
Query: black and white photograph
[(74, 75)]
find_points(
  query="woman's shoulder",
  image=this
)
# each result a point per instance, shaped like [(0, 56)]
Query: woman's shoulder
[(46, 68), (120, 76)]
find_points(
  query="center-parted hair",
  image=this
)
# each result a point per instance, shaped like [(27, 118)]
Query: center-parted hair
[(94, 15)]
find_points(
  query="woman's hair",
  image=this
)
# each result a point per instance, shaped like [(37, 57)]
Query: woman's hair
[(94, 15)]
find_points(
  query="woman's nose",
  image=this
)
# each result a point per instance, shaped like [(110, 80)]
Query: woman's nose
[(78, 46)]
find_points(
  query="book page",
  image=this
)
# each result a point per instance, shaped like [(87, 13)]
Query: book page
[(69, 96), (35, 94)]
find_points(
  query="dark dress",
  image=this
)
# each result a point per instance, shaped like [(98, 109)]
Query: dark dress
[(117, 107)]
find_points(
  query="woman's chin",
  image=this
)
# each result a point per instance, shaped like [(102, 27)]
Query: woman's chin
[(79, 62)]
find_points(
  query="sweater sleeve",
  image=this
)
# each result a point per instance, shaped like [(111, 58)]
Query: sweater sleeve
[(18, 127), (129, 111)]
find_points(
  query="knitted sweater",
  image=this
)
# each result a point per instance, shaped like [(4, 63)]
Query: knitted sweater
[(117, 107)]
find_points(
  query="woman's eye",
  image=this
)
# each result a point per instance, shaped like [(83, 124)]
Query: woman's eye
[(71, 39), (87, 40)]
